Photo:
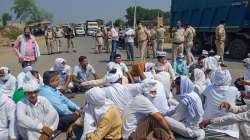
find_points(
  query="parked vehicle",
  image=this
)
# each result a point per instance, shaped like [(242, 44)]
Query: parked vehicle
[(79, 31), (91, 27), (205, 15)]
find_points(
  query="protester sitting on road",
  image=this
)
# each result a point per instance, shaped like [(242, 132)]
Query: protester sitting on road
[(102, 119), (26, 48), (198, 78), (185, 118), (36, 117), (82, 73), (68, 111), (7, 82), (180, 65), (247, 72), (21, 76), (122, 66), (65, 73), (241, 117), (220, 91), (141, 119), (162, 61), (7, 123)]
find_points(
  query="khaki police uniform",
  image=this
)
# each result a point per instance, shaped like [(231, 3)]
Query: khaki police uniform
[(220, 35), (108, 41), (49, 35), (59, 39), (142, 41), (160, 38), (189, 43), (99, 41), (178, 43), (153, 41)]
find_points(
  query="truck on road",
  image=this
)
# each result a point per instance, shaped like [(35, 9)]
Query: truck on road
[(91, 27), (205, 16)]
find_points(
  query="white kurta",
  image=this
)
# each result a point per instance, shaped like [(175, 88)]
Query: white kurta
[(32, 118), (7, 118), (242, 118), (8, 87), (214, 95), (164, 78)]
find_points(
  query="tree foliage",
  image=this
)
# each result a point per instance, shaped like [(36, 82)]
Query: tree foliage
[(27, 10), (5, 18), (146, 14), (119, 23)]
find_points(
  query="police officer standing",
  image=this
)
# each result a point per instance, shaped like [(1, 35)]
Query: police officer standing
[(220, 35), (99, 41), (70, 35), (160, 38), (142, 40), (190, 33), (153, 40), (49, 37), (178, 41)]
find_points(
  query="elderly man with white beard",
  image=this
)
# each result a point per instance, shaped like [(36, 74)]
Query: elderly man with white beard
[(7, 82), (220, 90)]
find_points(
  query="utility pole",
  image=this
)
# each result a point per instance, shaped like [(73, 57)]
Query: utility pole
[(135, 14)]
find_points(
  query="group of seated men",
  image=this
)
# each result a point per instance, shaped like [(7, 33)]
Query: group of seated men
[(125, 104)]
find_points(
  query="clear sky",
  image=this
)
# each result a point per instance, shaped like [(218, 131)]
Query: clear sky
[(81, 10)]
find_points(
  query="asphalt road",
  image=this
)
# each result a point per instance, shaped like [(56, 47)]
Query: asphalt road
[(85, 46)]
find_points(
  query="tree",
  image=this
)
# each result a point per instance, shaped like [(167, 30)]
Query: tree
[(5, 18), (146, 14), (119, 22), (100, 22), (27, 10)]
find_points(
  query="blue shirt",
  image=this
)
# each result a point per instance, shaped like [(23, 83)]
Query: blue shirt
[(83, 74), (180, 67), (62, 104)]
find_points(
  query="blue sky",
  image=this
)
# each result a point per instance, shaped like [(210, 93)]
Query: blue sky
[(81, 10)]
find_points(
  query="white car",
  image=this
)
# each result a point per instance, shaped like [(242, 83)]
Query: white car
[(91, 32), (79, 31)]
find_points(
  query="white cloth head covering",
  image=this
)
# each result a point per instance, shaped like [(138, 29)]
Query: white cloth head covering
[(114, 77), (58, 63), (247, 61), (97, 103), (5, 70), (211, 63), (161, 54), (28, 68), (149, 75), (204, 52), (199, 80), (221, 78), (31, 85), (190, 99), (148, 85), (149, 67)]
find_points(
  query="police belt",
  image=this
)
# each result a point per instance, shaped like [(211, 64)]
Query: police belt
[(177, 43)]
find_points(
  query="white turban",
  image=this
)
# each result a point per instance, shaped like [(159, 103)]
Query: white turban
[(5, 70), (161, 54), (204, 52), (95, 96), (58, 63), (211, 63), (149, 67), (28, 68), (221, 78), (148, 85), (114, 77), (31, 85), (247, 62)]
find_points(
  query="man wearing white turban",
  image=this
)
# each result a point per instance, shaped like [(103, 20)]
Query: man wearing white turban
[(65, 73), (118, 93), (21, 76), (142, 119), (220, 91), (103, 117), (36, 117), (7, 82), (185, 118), (7, 117), (199, 81)]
